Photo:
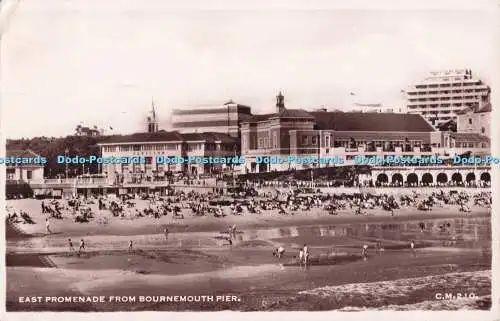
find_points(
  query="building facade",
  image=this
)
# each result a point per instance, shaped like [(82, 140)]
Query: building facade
[(475, 120), (221, 119), (345, 137), (81, 130), (24, 172), (332, 134), (443, 94), (149, 146)]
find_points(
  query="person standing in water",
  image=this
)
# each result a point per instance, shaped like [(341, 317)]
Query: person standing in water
[(301, 256), (279, 252), (412, 246), (364, 253), (306, 255)]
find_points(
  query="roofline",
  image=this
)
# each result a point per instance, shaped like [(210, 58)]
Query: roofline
[(306, 117), (376, 131), (132, 142), (159, 142)]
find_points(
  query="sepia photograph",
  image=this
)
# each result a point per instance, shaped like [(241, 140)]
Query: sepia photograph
[(195, 157)]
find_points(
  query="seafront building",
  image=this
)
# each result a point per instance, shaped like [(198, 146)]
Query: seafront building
[(443, 94), (153, 146), (347, 136)]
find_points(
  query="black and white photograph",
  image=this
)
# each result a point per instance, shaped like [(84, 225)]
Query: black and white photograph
[(235, 156)]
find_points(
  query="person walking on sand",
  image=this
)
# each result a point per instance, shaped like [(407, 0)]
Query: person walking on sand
[(412, 246), (130, 245), (70, 245), (82, 246), (165, 231), (47, 226)]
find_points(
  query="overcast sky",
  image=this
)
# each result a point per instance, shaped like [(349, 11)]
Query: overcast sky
[(101, 62)]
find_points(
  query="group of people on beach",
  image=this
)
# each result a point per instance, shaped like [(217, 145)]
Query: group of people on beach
[(80, 249), (302, 258), (284, 202)]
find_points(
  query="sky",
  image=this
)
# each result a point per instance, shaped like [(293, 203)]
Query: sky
[(64, 62)]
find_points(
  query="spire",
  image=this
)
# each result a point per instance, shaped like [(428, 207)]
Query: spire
[(152, 122), (153, 112), (280, 102)]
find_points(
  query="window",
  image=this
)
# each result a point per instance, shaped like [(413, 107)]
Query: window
[(471, 144), (483, 130), (305, 140), (11, 172), (327, 141), (470, 121), (29, 174), (483, 145), (275, 140), (314, 140)]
